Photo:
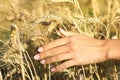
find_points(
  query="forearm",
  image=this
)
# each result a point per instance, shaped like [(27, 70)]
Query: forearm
[(113, 49)]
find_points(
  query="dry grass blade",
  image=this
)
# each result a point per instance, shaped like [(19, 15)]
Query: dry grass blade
[(95, 6), (36, 22)]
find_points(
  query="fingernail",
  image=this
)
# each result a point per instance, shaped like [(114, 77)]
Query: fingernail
[(42, 61), (61, 30), (53, 69), (40, 49), (37, 56)]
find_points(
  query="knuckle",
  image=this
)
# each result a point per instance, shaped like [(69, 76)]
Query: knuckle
[(58, 68), (49, 60), (62, 66), (56, 58), (70, 47), (42, 55), (71, 43), (53, 50), (52, 59), (70, 38)]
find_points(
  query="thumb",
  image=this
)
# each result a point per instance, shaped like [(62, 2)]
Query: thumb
[(66, 33)]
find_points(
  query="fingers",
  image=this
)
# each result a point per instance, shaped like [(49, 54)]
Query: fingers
[(64, 65), (53, 51), (66, 33), (62, 41), (53, 44), (60, 57)]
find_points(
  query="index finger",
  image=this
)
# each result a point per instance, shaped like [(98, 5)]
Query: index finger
[(53, 44)]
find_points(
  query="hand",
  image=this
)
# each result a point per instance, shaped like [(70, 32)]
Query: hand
[(74, 49)]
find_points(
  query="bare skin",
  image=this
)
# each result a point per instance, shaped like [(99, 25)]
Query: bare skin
[(77, 50)]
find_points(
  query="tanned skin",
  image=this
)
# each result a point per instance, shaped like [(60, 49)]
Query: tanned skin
[(77, 49)]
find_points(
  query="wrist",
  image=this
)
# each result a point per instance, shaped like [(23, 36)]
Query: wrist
[(112, 49), (105, 50)]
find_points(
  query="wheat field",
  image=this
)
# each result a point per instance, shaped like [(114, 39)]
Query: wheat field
[(26, 25)]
